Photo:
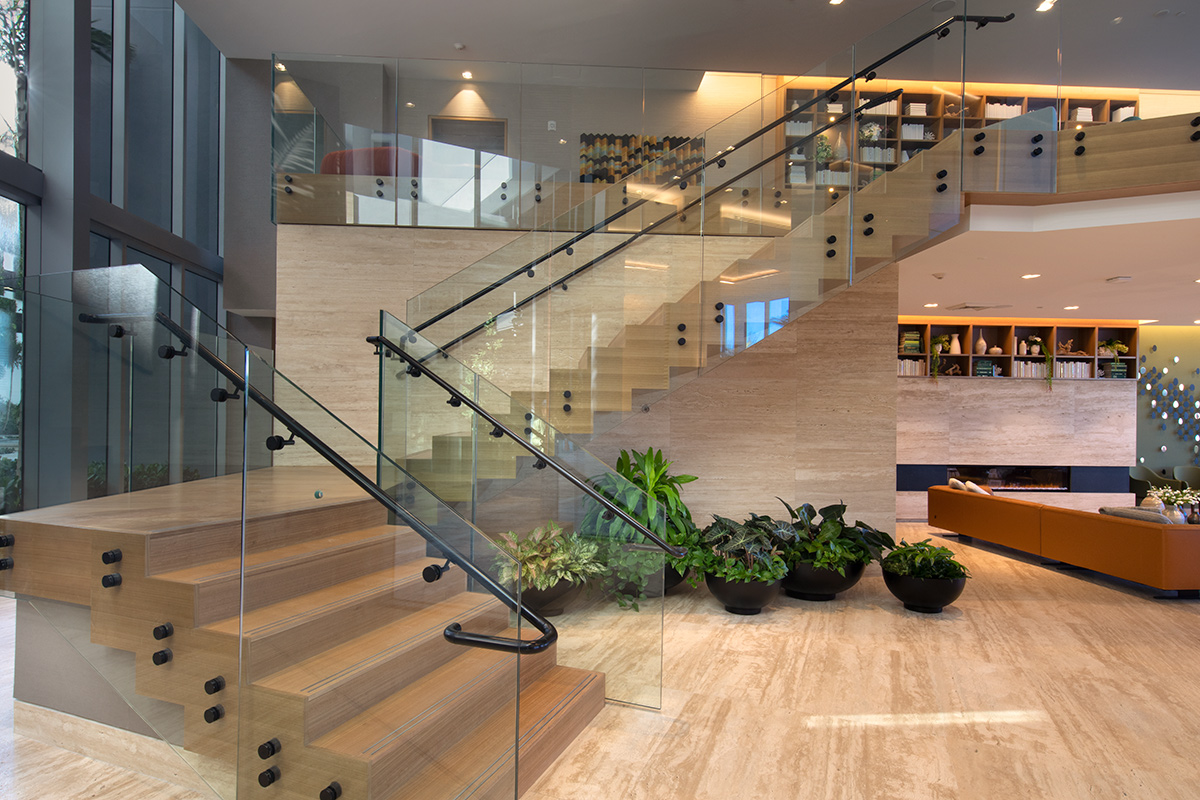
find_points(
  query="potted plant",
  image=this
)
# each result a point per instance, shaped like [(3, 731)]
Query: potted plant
[(1037, 346), (923, 576), (644, 487), (741, 561), (828, 556), (1111, 348), (550, 563), (936, 345)]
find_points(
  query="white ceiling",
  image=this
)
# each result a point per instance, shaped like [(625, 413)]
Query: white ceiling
[(1076, 248), (1081, 42)]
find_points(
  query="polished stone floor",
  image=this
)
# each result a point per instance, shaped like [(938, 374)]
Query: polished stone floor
[(1035, 684)]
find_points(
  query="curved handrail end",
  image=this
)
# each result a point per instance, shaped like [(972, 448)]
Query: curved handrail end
[(456, 635)]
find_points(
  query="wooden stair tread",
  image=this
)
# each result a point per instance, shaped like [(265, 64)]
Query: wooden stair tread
[(372, 733), (266, 620), (317, 673), (218, 570)]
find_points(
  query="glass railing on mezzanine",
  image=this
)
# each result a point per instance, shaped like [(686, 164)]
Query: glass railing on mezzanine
[(643, 286)]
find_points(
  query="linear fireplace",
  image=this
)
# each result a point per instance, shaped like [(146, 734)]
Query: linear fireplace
[(1015, 479), (919, 477)]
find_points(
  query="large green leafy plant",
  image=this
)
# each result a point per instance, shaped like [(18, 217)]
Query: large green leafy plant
[(547, 555), (828, 542), (641, 485), (742, 551), (924, 560)]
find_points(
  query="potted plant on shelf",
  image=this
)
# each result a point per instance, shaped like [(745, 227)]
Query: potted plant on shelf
[(936, 345), (1037, 346), (828, 556), (741, 561), (1112, 348), (551, 564), (644, 487), (923, 576)]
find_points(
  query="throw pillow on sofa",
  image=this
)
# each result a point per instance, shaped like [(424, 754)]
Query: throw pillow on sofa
[(976, 488), (955, 483), (1144, 514)]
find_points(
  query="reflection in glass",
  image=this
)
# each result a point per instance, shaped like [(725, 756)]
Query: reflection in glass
[(102, 92), (12, 217), (149, 109), (202, 102)]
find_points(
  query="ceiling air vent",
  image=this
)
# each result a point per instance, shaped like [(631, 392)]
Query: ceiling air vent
[(977, 306)]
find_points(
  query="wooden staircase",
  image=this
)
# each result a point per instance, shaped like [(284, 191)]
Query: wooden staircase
[(682, 336), (342, 658)]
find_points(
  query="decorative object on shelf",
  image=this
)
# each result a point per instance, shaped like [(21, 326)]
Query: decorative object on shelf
[(824, 151), (1152, 502), (870, 132), (980, 345), (955, 345), (953, 370), (1066, 349), (1023, 348), (1112, 348), (1036, 345), (924, 577), (995, 351), (937, 344), (1193, 518), (1173, 513)]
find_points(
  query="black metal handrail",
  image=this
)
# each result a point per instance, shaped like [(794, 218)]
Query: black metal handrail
[(419, 369), (867, 73), (562, 280), (453, 632)]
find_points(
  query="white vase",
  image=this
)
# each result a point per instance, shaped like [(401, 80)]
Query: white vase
[(981, 345), (1174, 514), (1152, 503), (955, 347), (1023, 348)]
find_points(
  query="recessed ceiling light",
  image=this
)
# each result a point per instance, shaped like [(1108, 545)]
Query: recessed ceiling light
[(1197, 280), (931, 305), (1032, 275), (280, 66), (835, 2), (1046, 5), (562, 141), (1196, 322), (409, 105), (1146, 321), (1070, 308), (1117, 20), (467, 74)]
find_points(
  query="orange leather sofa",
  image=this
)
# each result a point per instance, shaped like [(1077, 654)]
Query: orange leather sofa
[(1162, 556)]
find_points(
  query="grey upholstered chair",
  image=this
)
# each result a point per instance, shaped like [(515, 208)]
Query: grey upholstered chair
[(1189, 475)]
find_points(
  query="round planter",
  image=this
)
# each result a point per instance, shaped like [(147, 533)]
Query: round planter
[(672, 578), (550, 602), (926, 595), (742, 597), (806, 582)]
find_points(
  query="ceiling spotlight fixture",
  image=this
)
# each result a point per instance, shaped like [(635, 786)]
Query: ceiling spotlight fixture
[(280, 66), (459, 46), (562, 141), (467, 74), (1046, 5), (1070, 308), (835, 2), (409, 104), (931, 305), (1032, 275)]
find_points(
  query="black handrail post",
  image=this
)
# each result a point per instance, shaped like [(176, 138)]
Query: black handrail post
[(453, 632)]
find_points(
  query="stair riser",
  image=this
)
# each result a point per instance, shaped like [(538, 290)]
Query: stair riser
[(204, 543), (272, 583)]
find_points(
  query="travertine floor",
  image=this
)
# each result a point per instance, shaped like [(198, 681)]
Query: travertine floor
[(1035, 684)]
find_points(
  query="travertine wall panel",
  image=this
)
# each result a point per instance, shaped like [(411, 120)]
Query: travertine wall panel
[(1016, 422)]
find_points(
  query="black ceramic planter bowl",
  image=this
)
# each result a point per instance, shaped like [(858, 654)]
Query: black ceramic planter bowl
[(742, 597), (927, 595), (806, 582), (672, 578), (550, 602)]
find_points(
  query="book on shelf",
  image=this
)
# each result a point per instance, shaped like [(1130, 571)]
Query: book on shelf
[(795, 127), (915, 109), (908, 367), (984, 368), (1003, 111), (1081, 114), (912, 130), (1123, 113)]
